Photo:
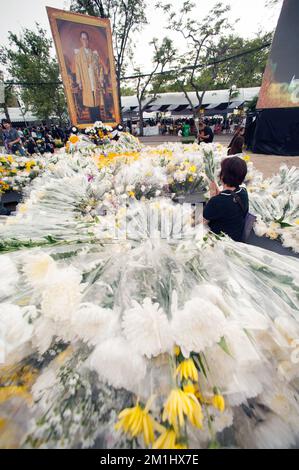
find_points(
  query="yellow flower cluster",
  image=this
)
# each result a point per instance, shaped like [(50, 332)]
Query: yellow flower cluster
[(122, 158), (29, 165)]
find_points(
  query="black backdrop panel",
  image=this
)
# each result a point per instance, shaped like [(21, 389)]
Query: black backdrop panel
[(277, 132)]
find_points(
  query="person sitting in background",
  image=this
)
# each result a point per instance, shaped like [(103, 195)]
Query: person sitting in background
[(12, 140), (227, 209), (205, 134), (237, 143)]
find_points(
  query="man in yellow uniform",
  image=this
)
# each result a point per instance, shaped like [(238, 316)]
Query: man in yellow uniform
[(90, 78)]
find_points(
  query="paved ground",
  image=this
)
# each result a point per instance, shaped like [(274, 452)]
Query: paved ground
[(267, 164)]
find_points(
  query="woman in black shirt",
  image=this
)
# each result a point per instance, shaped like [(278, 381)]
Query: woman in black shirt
[(226, 211)]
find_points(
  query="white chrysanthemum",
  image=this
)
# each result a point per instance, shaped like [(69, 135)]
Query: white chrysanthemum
[(61, 297), (38, 267), (260, 228), (10, 277), (94, 324), (116, 362), (147, 328), (44, 331), (16, 332), (199, 325)]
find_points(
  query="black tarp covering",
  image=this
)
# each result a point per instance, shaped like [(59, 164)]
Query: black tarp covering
[(277, 132)]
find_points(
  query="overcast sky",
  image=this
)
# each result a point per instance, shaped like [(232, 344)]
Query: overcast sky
[(16, 14)]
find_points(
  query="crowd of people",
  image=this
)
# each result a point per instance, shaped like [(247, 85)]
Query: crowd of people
[(30, 140), (175, 127), (27, 141)]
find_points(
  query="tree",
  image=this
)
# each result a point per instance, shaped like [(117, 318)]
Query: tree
[(127, 91), (126, 16), (146, 88), (28, 60), (244, 71), (201, 37)]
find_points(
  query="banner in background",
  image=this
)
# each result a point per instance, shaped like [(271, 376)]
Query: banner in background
[(85, 54), (280, 87)]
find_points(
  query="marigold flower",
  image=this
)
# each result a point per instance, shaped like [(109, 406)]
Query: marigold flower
[(74, 139)]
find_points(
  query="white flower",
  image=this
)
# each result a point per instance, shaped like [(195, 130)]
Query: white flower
[(62, 294), (199, 325), (116, 362), (147, 328), (9, 278), (16, 332), (38, 267), (260, 228), (94, 324)]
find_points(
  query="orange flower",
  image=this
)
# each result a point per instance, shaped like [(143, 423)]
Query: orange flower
[(74, 139)]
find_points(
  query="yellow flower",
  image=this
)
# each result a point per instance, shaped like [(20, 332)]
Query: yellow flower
[(177, 350), (190, 179), (6, 393), (167, 440), (136, 421), (187, 370), (246, 158), (190, 388), (218, 403), (180, 404), (192, 169), (131, 194), (297, 222), (74, 139)]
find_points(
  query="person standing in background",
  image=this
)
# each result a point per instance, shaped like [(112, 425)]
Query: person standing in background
[(237, 143)]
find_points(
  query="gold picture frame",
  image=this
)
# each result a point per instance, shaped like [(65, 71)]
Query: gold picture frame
[(85, 55)]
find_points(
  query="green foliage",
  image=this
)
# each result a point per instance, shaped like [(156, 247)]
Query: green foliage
[(246, 71), (200, 39), (28, 59), (206, 41), (127, 91)]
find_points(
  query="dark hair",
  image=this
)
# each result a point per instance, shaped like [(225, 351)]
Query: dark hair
[(233, 171), (5, 121), (84, 32)]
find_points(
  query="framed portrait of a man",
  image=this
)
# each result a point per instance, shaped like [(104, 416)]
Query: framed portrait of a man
[(85, 54)]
